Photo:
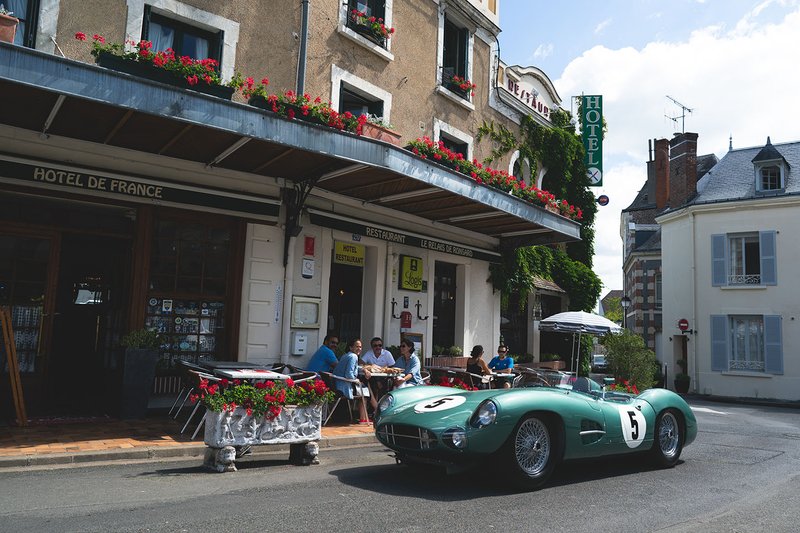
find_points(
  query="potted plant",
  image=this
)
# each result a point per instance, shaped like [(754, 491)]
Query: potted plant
[(377, 128), (8, 25), (373, 28), (138, 370), (682, 379), (461, 86), (163, 66), (552, 361)]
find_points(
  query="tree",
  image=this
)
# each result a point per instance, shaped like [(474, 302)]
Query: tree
[(630, 360), (612, 309)]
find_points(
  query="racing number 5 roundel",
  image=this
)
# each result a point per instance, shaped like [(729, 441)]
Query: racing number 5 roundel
[(634, 425), (439, 404)]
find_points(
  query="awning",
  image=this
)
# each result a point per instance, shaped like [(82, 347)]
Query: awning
[(74, 100)]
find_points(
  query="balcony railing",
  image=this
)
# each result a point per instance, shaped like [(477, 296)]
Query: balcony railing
[(744, 279)]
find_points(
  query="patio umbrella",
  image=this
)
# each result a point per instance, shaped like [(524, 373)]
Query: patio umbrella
[(578, 322)]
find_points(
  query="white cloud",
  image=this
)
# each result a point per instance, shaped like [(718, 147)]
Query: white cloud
[(543, 50), (738, 83), (602, 26)]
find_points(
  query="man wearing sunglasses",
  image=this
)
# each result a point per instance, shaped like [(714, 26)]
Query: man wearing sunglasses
[(324, 359), (378, 355)]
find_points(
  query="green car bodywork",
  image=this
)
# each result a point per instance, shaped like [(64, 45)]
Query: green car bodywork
[(581, 424)]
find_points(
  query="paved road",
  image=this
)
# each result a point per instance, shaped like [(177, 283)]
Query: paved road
[(742, 474)]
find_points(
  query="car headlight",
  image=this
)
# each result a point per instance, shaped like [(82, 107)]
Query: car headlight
[(386, 403), (485, 414)]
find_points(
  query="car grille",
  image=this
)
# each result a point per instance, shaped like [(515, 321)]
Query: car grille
[(407, 437)]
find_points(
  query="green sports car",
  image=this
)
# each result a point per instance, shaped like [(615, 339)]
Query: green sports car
[(532, 428)]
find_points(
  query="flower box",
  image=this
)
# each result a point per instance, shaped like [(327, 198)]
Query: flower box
[(148, 71), (8, 28), (456, 88), (367, 33), (374, 131), (228, 432)]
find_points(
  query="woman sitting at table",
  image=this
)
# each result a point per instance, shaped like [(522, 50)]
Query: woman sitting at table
[(476, 365), (347, 367), (410, 365), (502, 364)]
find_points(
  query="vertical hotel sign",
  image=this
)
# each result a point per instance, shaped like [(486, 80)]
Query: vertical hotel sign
[(592, 127)]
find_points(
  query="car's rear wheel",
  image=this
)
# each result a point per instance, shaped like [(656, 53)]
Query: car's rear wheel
[(532, 452), (667, 439)]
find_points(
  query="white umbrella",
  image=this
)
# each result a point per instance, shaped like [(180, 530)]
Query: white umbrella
[(579, 322)]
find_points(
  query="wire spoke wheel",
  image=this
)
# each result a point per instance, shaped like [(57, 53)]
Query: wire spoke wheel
[(669, 435), (532, 446)]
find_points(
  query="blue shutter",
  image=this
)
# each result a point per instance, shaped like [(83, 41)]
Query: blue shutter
[(719, 343), (769, 263), (719, 274), (773, 345)]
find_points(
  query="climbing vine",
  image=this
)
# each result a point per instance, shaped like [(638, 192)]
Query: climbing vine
[(557, 152)]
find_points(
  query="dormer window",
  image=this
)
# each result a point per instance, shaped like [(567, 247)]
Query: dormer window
[(770, 169), (770, 178)]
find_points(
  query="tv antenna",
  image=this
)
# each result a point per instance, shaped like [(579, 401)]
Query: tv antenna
[(682, 116)]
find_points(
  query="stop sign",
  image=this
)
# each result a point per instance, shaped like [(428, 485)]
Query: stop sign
[(683, 324)]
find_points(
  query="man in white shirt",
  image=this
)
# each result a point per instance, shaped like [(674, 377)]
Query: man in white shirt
[(378, 355)]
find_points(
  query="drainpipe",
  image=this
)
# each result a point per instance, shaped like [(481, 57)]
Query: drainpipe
[(695, 370), (301, 61)]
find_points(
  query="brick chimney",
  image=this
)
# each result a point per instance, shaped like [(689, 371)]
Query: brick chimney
[(661, 172), (682, 169)]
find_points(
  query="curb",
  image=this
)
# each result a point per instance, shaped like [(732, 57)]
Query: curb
[(189, 450)]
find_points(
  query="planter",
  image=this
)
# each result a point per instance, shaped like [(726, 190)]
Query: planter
[(449, 361), (552, 365), (260, 102), (152, 73), (8, 28), (367, 33), (138, 372), (380, 133), (229, 434), (682, 384), (454, 88)]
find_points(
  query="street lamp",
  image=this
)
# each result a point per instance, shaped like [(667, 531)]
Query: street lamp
[(625, 302)]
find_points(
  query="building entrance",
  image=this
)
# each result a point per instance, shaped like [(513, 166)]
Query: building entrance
[(91, 303), (344, 301), (444, 305)]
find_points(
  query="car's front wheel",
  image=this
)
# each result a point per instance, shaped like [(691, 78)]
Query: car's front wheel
[(532, 452), (667, 439)]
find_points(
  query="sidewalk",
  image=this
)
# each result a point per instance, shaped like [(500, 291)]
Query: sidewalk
[(107, 439)]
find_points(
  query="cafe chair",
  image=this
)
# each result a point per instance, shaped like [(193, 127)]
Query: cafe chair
[(187, 385), (426, 377), (529, 378), (197, 377), (358, 394)]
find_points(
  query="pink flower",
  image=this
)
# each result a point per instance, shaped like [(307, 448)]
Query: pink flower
[(80, 36)]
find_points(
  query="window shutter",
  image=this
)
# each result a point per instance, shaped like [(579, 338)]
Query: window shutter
[(773, 345), (719, 274), (769, 264), (220, 45), (719, 343)]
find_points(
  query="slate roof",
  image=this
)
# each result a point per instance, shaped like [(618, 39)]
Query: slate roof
[(653, 244), (733, 178), (546, 284)]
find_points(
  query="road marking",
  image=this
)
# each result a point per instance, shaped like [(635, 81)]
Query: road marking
[(707, 410)]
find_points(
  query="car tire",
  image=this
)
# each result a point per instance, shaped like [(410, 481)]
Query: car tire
[(532, 452), (668, 439)]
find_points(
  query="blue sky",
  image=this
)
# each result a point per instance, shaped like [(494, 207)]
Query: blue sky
[(733, 62)]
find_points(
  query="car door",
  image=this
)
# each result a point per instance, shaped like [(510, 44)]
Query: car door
[(628, 424)]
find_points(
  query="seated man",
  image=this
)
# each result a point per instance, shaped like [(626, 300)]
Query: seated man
[(377, 356), (502, 364), (324, 359)]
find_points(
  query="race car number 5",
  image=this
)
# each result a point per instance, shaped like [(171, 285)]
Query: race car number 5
[(439, 404), (634, 426)]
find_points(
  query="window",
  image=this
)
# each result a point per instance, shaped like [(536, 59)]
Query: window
[(657, 283), (370, 8), (454, 144), (353, 101), (749, 343), (186, 40), (770, 178), (455, 57), (744, 263), (27, 12), (744, 259), (521, 168)]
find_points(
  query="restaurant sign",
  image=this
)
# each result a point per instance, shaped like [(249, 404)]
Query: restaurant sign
[(133, 189), (592, 127), (385, 234), (528, 89)]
